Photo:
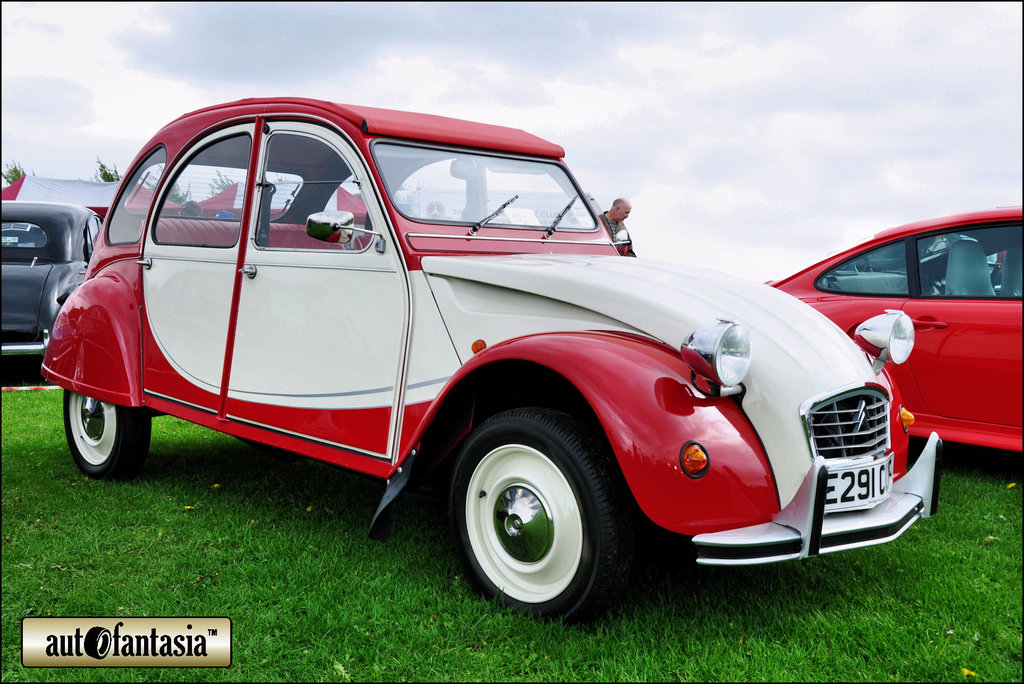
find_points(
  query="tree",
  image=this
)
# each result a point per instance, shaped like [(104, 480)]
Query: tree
[(106, 174), (13, 171)]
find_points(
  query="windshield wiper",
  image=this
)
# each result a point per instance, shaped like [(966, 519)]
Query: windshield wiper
[(480, 224), (561, 214)]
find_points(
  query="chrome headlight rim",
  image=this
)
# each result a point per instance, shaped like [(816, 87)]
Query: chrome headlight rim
[(888, 336), (719, 352)]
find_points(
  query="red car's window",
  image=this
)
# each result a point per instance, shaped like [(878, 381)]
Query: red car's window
[(882, 271), (304, 175), (435, 185), (974, 263), (125, 223), (203, 206)]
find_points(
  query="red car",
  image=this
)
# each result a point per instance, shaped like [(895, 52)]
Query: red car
[(959, 279)]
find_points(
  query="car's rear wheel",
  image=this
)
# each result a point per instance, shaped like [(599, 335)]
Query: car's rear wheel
[(537, 515), (107, 441)]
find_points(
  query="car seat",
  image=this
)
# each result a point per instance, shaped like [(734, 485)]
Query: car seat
[(967, 272), (1011, 285)]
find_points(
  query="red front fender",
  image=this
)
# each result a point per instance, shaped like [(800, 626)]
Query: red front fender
[(641, 394), (94, 348)]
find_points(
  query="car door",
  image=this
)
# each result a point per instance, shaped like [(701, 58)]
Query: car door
[(188, 274), (322, 328), (967, 354)]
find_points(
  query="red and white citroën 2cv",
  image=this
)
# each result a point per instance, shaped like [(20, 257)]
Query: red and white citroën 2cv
[(487, 331)]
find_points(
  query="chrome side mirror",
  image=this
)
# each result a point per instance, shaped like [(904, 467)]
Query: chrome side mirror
[(336, 227)]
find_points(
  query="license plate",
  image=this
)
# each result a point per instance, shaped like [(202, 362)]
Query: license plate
[(858, 485)]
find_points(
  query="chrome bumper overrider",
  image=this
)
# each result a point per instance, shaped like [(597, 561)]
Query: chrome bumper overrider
[(802, 529)]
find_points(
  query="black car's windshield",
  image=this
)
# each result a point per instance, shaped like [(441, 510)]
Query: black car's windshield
[(435, 185)]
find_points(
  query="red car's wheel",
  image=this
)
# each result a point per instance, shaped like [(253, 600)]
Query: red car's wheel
[(537, 516), (107, 441)]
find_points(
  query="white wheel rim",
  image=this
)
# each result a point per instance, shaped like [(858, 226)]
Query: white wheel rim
[(93, 426), (519, 467)]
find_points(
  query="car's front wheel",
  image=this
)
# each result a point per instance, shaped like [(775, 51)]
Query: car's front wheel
[(107, 441), (537, 515)]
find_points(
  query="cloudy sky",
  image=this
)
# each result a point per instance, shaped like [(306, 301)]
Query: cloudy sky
[(753, 138)]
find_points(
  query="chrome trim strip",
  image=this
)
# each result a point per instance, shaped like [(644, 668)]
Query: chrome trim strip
[(179, 402), (163, 257), (325, 267), (324, 395), (494, 238), (428, 383), (308, 438)]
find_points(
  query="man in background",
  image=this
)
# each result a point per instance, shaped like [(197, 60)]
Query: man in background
[(615, 221)]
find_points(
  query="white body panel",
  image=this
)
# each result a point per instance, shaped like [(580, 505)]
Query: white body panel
[(792, 361), (432, 358), (319, 329), (187, 302)]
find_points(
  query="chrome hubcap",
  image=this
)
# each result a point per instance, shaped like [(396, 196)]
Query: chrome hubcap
[(92, 418), (523, 524)]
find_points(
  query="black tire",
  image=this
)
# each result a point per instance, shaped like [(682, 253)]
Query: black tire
[(108, 442), (537, 515)]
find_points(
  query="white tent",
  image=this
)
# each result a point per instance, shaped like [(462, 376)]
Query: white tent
[(96, 196)]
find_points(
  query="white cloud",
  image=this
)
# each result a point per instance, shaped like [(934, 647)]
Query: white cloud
[(750, 136)]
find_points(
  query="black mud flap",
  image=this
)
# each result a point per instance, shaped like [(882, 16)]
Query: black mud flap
[(384, 518)]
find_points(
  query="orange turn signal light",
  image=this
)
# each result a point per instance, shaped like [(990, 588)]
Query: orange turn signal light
[(478, 346), (694, 459), (906, 419)]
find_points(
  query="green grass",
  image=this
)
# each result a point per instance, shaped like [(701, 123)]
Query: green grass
[(215, 528)]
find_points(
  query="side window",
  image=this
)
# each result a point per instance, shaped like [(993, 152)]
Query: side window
[(304, 175), (203, 207), (92, 229), (882, 271), (975, 263), (124, 225)]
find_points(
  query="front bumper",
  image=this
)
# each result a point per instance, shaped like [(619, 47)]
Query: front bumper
[(802, 529)]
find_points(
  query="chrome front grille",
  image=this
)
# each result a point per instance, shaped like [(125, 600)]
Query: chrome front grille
[(852, 424)]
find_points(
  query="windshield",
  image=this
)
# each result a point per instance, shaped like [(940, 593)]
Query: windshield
[(454, 186)]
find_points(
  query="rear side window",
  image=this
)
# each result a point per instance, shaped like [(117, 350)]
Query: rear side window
[(203, 206), (126, 220), (882, 271)]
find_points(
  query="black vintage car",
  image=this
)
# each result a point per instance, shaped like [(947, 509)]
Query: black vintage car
[(46, 246)]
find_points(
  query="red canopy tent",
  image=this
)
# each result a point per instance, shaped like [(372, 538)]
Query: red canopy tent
[(228, 199), (349, 202)]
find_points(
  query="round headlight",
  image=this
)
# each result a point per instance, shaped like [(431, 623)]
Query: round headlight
[(887, 336), (901, 338), (719, 352)]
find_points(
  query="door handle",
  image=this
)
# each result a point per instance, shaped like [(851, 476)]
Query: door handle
[(248, 270), (145, 263), (929, 323)]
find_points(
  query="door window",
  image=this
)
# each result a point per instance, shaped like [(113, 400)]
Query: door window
[(304, 175), (974, 263)]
